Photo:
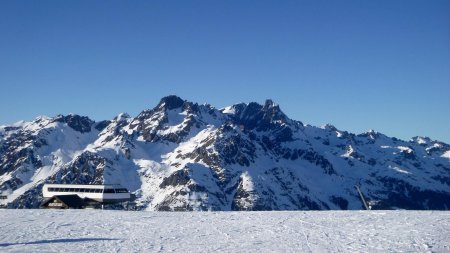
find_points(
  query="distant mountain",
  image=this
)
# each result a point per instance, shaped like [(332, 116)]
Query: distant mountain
[(185, 156)]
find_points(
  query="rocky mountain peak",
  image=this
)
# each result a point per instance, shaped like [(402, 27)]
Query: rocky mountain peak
[(269, 104), (329, 127), (423, 140), (78, 123), (260, 117), (171, 102), (122, 117), (274, 111)]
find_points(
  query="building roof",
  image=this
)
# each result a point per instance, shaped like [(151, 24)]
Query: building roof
[(99, 186)]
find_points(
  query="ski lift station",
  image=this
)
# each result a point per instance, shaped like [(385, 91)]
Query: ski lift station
[(82, 196)]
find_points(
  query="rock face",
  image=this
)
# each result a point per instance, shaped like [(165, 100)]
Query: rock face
[(183, 156)]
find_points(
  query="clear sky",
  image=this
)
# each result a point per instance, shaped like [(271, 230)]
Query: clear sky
[(359, 65)]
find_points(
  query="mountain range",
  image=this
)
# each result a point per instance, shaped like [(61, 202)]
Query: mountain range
[(184, 156)]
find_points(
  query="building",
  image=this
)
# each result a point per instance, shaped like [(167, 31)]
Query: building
[(63, 196)]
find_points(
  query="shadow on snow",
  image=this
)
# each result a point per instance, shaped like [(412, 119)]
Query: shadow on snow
[(58, 241)]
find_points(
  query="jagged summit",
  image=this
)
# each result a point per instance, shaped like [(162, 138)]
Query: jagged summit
[(122, 116), (421, 140), (79, 123), (257, 116), (184, 156), (269, 103), (329, 127), (171, 102)]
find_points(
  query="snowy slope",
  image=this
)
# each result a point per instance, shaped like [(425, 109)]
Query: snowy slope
[(185, 156), (121, 231)]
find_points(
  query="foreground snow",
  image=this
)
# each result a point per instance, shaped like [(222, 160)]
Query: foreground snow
[(120, 231)]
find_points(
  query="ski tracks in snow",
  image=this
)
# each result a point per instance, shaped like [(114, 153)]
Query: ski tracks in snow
[(120, 231)]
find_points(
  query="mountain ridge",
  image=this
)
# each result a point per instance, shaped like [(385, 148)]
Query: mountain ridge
[(184, 156)]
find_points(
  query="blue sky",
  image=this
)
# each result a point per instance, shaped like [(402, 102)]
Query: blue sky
[(359, 65)]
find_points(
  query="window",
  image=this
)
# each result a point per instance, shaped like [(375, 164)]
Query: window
[(98, 190), (109, 191), (51, 189)]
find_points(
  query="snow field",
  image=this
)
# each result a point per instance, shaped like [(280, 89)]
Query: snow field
[(312, 231)]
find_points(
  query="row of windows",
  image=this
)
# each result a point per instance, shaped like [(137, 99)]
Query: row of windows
[(120, 190)]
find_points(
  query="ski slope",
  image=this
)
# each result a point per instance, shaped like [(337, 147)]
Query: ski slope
[(312, 231)]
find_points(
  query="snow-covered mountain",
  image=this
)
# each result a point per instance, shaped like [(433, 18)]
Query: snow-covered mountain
[(185, 156)]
